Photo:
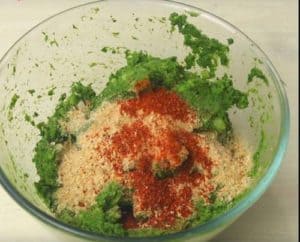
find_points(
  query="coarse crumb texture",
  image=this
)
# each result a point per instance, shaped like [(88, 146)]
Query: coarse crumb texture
[(83, 172), (232, 164)]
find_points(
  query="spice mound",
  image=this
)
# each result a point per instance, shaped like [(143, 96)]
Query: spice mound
[(149, 147)]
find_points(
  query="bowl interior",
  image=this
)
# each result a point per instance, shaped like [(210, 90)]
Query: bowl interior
[(67, 48)]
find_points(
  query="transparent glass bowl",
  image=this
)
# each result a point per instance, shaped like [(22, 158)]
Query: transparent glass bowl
[(67, 47)]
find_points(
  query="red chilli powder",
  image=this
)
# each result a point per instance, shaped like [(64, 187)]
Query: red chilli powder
[(160, 101)]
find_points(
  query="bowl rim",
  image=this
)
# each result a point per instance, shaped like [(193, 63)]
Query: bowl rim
[(229, 215)]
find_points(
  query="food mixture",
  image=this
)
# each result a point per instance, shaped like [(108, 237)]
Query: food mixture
[(154, 152)]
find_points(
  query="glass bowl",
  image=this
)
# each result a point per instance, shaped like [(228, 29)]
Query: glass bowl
[(67, 47)]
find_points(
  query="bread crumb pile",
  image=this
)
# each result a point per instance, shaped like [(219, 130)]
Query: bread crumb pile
[(84, 171)]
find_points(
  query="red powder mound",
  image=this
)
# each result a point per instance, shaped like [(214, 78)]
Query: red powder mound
[(131, 139), (160, 101), (171, 153)]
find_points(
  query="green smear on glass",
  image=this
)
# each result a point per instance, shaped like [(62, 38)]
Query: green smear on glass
[(257, 73), (31, 91), (11, 106), (51, 91), (192, 14), (230, 41), (13, 101), (29, 119), (257, 162)]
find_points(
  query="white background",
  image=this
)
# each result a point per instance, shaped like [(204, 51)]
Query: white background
[(270, 23)]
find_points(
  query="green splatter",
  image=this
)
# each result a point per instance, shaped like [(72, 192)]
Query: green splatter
[(192, 14), (113, 50), (29, 119), (96, 10), (230, 41), (51, 66), (257, 162), (13, 101), (62, 97), (270, 96), (258, 60), (162, 19), (50, 41), (257, 73), (74, 27), (54, 42), (51, 91), (115, 34), (104, 49), (113, 19), (251, 121), (92, 64), (14, 70), (46, 37), (31, 91)]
